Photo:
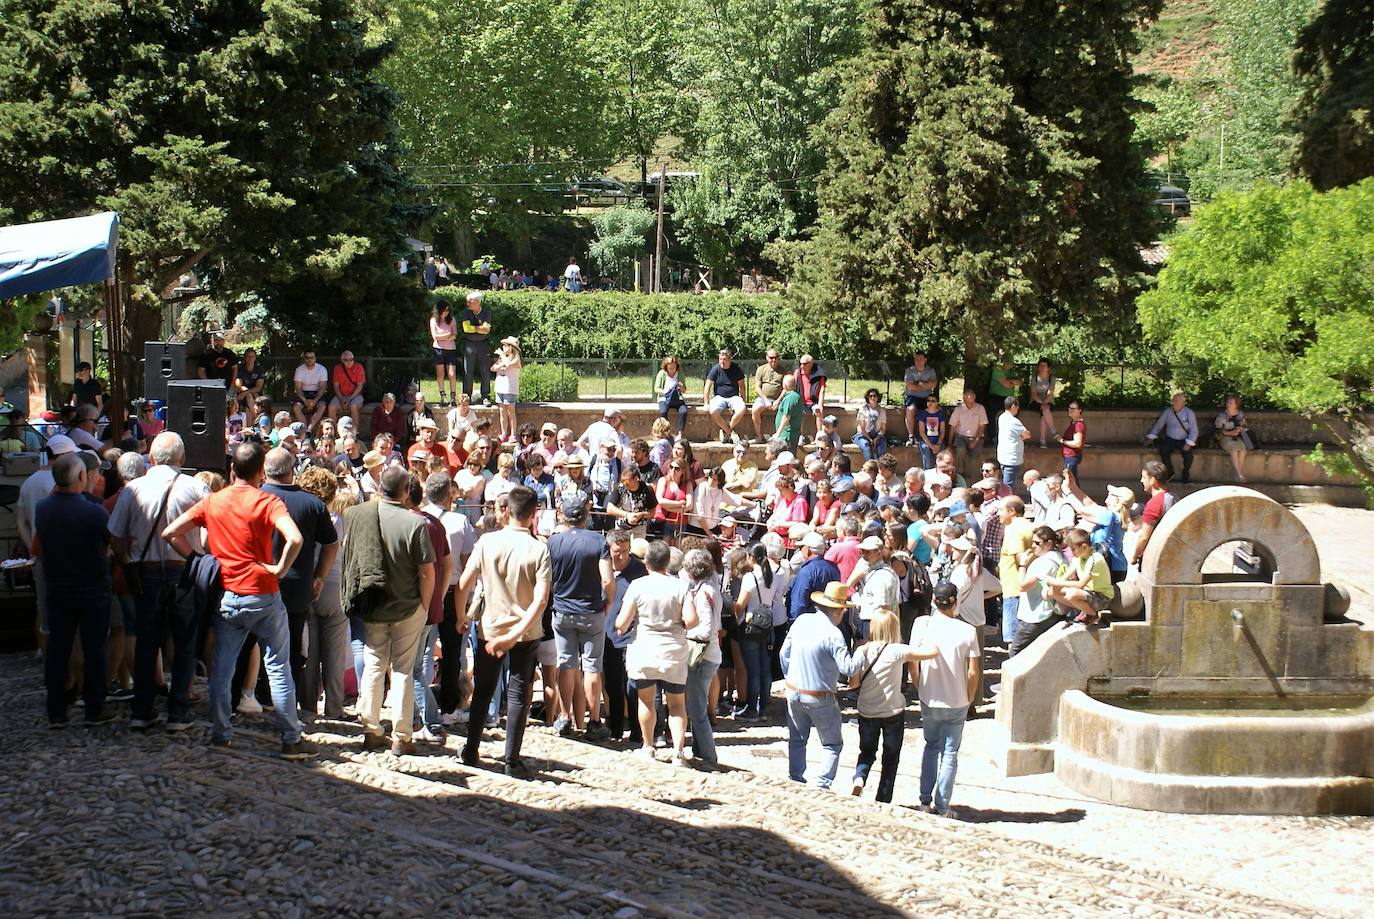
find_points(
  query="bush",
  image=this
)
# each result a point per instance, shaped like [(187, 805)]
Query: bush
[(548, 383)]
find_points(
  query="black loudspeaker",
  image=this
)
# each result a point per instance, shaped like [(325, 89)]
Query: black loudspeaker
[(195, 410), (163, 361)]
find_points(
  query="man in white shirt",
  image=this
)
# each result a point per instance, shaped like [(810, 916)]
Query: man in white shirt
[(572, 275), (610, 429), (146, 506), (312, 384), (461, 539), (948, 681), (967, 425), (1011, 442)]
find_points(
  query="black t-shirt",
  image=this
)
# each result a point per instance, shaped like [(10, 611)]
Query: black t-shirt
[(574, 561), (468, 320), (633, 502), (249, 376), (312, 519), (87, 391), (219, 364), (726, 380), (649, 473)]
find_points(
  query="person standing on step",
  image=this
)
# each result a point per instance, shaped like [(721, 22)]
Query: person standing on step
[(516, 584), (950, 674), (239, 523), (814, 656), (476, 328), (70, 532), (583, 588)]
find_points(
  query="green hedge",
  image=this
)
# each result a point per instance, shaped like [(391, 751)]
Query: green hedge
[(649, 326), (548, 383)]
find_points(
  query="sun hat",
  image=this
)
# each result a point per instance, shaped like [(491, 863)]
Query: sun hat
[(426, 422), (58, 444), (835, 595), (372, 459)]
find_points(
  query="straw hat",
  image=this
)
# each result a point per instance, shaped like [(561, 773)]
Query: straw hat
[(372, 459), (511, 340), (835, 596)]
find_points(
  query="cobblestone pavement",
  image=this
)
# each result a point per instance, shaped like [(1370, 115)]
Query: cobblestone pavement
[(103, 821)]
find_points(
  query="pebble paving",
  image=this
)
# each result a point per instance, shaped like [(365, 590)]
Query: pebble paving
[(108, 822)]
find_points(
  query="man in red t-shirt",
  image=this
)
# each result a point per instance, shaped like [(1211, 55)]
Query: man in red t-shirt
[(428, 443), (347, 379), (239, 523), (1154, 477), (1073, 438)]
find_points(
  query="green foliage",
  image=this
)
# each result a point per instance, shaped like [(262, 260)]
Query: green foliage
[(621, 237), (766, 74), (975, 190), (548, 383), (492, 264), (250, 142), (1334, 112), (647, 327), (17, 318), (1274, 289)]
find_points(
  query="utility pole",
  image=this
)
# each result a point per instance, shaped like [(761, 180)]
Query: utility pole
[(657, 286)]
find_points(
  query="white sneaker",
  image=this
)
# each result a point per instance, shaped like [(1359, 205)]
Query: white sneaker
[(679, 760), (248, 705), (425, 735), (646, 753)]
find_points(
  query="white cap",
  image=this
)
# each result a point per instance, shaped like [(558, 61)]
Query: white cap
[(785, 458), (426, 422), (58, 444), (813, 540), (871, 543)]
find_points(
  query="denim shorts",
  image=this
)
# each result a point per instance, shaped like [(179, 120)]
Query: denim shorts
[(674, 689), (506, 398), (580, 640)]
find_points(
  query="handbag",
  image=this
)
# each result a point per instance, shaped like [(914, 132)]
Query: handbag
[(131, 576)]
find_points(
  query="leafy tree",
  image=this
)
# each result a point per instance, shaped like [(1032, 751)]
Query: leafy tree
[(1274, 289), (248, 141), (620, 236), (1334, 113), (765, 72), (982, 176), (502, 103)]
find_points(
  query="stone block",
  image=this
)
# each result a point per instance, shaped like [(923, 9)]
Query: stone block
[(1033, 680), (1145, 651), (1028, 759), (1167, 605)]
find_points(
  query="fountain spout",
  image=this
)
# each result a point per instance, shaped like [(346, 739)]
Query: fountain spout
[(1238, 618)]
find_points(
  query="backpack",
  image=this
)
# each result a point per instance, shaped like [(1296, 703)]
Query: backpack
[(757, 624)]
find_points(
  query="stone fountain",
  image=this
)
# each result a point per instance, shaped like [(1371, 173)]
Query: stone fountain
[(1229, 697)]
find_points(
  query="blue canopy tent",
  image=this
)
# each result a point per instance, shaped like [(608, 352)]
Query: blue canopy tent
[(57, 253), (43, 256)]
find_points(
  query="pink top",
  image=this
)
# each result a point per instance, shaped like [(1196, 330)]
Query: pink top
[(437, 328)]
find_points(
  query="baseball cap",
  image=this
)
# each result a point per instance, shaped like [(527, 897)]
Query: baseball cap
[(813, 540), (420, 455), (741, 448), (888, 501), (843, 484), (938, 478), (830, 419), (50, 415), (574, 509), (1120, 491), (945, 594), (957, 508), (58, 444), (345, 425), (298, 428), (785, 458), (871, 543), (426, 422)]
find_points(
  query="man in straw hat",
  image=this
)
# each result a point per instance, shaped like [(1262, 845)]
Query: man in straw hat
[(814, 656)]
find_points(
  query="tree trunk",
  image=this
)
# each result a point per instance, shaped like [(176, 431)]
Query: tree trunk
[(464, 245), (1355, 436)]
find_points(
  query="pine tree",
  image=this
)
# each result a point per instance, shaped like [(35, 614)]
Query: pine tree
[(982, 177), (250, 142), (1334, 115)]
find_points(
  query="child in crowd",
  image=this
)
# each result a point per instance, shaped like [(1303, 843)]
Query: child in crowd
[(1086, 586)]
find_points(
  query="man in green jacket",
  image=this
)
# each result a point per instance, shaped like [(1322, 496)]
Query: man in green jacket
[(385, 535)]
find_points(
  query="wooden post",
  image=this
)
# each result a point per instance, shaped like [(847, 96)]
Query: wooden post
[(36, 353), (657, 286)]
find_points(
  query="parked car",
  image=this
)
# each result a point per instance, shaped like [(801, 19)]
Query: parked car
[(650, 190), (1174, 200), (600, 190)]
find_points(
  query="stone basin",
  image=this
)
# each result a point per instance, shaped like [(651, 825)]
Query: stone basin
[(1252, 755)]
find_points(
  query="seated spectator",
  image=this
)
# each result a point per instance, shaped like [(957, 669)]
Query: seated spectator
[(669, 389), (311, 383), (1175, 431), (83, 430), (930, 431), (348, 379), (250, 379), (811, 384), (767, 391), (567, 448), (919, 383), (741, 471), (722, 396), (419, 412), (870, 425), (1233, 435), (387, 418)]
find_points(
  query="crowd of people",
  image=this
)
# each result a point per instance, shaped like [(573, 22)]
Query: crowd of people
[(418, 585)]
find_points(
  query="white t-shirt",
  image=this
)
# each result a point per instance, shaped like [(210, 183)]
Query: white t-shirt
[(462, 538), (1034, 607), (944, 678), (312, 379), (1011, 450), (880, 693), (572, 272), (508, 381), (971, 608)]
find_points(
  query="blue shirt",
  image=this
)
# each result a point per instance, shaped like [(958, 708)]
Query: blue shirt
[(1110, 539), (634, 570), (814, 655), (72, 534), (811, 578), (575, 564), (1176, 425)]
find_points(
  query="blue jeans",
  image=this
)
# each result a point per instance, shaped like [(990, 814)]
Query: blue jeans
[(698, 716), (427, 710), (944, 730), (263, 615), (665, 405), (927, 454), (871, 447), (163, 608), (1009, 475), (1071, 464), (1010, 605), (355, 644), (760, 668), (891, 731), (823, 713)]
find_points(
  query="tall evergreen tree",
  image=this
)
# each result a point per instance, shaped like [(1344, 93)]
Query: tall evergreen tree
[(1334, 114), (982, 176), (249, 141)]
